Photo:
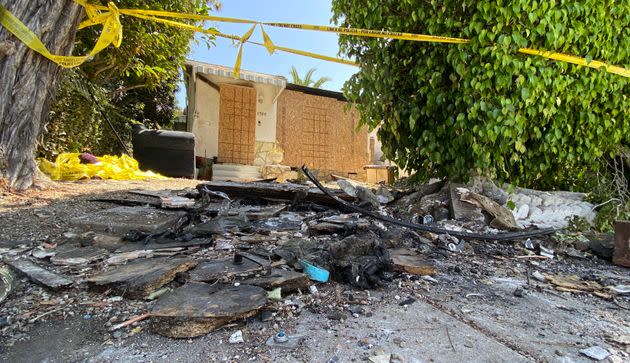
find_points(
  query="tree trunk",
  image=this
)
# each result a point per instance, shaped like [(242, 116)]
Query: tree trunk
[(28, 81)]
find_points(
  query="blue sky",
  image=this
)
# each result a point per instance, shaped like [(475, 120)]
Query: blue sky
[(257, 58)]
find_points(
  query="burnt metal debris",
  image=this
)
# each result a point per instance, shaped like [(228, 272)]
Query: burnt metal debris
[(427, 228), (194, 260)]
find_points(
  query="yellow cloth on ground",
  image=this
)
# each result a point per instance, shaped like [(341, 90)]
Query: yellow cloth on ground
[(68, 166)]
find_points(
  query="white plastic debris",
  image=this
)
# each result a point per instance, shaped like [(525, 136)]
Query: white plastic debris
[(237, 337)]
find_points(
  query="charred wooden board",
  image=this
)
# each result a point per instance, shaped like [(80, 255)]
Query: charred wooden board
[(411, 262), (124, 219), (461, 211), (276, 191), (68, 255), (138, 278), (196, 308), (287, 280), (165, 243), (40, 274), (211, 271)]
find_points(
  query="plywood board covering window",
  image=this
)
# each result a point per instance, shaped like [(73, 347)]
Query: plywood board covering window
[(319, 132), (237, 124)]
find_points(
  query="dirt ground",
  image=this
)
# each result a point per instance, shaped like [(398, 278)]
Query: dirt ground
[(483, 305)]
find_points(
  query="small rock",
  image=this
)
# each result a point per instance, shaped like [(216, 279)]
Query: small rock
[(356, 310), (266, 316), (519, 292), (4, 321), (559, 353), (380, 358), (336, 315), (407, 301), (396, 358), (237, 337), (117, 334), (399, 342), (595, 352), (538, 276)]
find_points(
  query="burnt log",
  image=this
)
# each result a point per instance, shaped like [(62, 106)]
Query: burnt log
[(295, 193)]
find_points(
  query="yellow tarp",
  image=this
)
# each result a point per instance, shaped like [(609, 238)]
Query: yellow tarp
[(68, 166)]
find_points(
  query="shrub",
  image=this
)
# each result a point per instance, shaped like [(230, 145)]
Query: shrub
[(449, 110)]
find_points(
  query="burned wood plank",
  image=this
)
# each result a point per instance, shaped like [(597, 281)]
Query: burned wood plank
[(285, 279), (405, 260), (275, 191), (211, 271), (164, 244), (176, 202), (128, 202), (39, 274), (196, 308), (461, 211), (502, 218), (138, 278), (125, 219), (77, 255), (427, 228)]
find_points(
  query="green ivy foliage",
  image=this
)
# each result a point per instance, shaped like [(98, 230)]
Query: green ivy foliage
[(133, 83), (448, 110), (76, 122)]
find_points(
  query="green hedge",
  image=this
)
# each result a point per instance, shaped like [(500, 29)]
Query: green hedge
[(483, 108)]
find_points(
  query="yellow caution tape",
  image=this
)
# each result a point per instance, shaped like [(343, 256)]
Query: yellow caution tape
[(577, 60), (371, 33), (112, 34), (245, 39), (68, 166)]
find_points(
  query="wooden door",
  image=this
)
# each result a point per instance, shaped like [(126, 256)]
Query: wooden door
[(237, 124)]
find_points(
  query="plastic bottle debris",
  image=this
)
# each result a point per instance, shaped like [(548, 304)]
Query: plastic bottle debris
[(529, 244), (237, 337), (427, 219), (281, 337), (314, 272), (282, 340), (547, 252)]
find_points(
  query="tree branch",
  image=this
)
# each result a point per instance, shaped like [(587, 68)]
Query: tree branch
[(128, 88)]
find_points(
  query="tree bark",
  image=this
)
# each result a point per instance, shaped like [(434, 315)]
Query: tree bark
[(29, 81)]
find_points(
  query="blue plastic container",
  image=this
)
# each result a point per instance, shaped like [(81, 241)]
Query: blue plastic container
[(316, 273)]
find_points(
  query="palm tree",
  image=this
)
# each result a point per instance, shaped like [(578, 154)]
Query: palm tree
[(308, 80)]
